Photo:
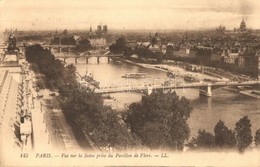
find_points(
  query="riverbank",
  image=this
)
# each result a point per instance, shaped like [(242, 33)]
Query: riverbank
[(202, 77), (251, 93), (224, 105), (179, 71)]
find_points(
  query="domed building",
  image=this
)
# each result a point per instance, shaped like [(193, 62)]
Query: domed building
[(242, 27)]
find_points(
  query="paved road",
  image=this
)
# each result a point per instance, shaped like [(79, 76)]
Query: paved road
[(61, 134)]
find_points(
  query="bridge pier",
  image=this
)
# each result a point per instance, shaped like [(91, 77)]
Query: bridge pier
[(206, 91), (98, 60), (87, 60), (76, 60), (59, 48), (108, 59)]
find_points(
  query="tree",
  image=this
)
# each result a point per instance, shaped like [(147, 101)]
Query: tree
[(85, 109), (160, 120), (128, 52), (169, 51), (68, 41), (205, 139), (257, 137), (159, 57), (45, 61), (121, 42), (224, 137), (106, 131), (70, 74), (119, 46), (243, 133), (153, 136), (83, 45)]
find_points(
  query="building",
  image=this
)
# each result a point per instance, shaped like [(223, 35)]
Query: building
[(204, 52), (242, 26), (216, 57), (76, 37), (99, 32), (192, 67), (155, 48), (164, 49), (90, 29), (105, 30), (258, 63), (98, 42), (241, 61), (221, 29), (65, 32), (184, 52), (99, 29), (143, 44), (97, 38), (231, 58)]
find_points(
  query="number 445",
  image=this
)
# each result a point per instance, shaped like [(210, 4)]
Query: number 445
[(24, 155)]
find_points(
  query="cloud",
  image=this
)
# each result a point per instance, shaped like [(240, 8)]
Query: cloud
[(246, 7), (125, 13)]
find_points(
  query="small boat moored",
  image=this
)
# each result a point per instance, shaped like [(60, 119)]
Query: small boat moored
[(134, 75), (170, 74)]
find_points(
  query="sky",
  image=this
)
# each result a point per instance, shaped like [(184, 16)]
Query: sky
[(127, 14)]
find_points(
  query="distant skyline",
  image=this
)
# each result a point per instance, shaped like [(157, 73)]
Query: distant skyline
[(128, 14)]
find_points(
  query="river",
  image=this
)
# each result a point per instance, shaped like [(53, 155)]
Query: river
[(224, 105)]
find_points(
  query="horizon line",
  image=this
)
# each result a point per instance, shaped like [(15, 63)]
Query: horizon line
[(118, 29)]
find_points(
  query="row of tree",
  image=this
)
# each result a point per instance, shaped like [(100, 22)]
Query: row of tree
[(143, 52), (84, 109), (82, 45), (241, 137), (66, 40)]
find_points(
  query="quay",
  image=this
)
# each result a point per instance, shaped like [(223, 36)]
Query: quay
[(26, 124)]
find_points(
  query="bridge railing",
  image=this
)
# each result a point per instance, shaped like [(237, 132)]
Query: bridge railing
[(173, 86)]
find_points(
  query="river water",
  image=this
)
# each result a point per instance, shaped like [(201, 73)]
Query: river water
[(224, 105)]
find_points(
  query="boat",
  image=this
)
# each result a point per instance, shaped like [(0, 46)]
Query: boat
[(167, 83), (205, 93), (95, 83), (118, 62), (88, 77), (210, 80), (190, 79), (134, 75), (170, 74)]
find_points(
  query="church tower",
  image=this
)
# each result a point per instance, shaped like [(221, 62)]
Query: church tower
[(243, 25)]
